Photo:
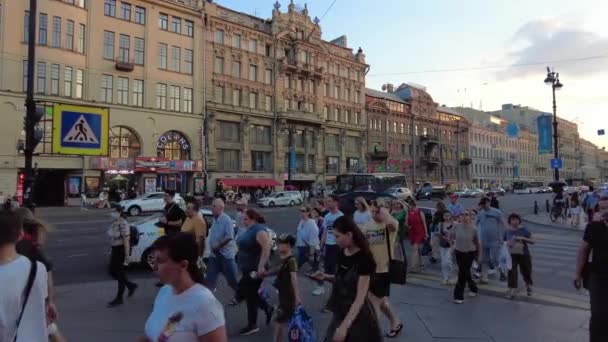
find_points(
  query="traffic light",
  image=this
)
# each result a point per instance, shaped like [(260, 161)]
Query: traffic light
[(36, 133)]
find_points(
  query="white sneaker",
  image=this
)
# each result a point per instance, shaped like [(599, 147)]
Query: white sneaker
[(318, 291), (458, 301), (492, 271), (472, 294)]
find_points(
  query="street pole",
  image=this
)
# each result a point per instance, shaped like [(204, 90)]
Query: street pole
[(30, 106), (291, 154), (458, 155), (414, 161), (555, 136)]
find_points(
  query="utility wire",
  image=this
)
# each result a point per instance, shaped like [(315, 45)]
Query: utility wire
[(327, 10)]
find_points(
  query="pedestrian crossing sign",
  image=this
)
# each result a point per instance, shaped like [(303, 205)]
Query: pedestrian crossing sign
[(80, 130)]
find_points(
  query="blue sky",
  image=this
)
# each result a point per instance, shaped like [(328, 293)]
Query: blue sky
[(404, 38)]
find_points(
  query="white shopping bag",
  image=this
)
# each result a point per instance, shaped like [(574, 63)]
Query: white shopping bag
[(504, 259)]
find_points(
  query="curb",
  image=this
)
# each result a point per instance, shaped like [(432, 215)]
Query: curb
[(525, 219)]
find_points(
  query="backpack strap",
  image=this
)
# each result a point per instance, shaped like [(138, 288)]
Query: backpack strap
[(26, 293)]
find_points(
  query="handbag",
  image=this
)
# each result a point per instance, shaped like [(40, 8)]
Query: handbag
[(300, 327), (26, 293), (397, 269)]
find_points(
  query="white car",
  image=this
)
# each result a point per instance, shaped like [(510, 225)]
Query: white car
[(290, 198), (401, 193), (149, 232), (153, 201)]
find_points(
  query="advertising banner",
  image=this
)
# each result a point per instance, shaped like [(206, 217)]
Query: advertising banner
[(545, 134)]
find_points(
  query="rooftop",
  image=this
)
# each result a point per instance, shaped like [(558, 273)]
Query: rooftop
[(383, 95)]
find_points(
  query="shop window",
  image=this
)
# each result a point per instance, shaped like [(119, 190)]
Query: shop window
[(124, 143), (173, 146), (332, 165)]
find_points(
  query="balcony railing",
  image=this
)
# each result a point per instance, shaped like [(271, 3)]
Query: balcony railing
[(429, 139), (124, 64), (431, 161), (378, 155), (466, 161), (498, 161)]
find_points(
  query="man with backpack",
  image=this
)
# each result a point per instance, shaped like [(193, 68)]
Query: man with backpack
[(24, 288)]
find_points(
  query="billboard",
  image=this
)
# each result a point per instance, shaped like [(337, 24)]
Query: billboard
[(545, 134)]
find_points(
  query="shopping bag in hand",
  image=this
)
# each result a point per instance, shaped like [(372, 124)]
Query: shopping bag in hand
[(300, 327), (504, 259)]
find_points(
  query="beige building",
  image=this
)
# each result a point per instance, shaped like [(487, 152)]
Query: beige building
[(590, 164), (275, 86), (135, 58)]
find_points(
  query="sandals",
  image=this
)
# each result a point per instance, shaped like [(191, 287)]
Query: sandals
[(394, 333)]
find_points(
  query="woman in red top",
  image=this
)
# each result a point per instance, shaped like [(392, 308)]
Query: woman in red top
[(417, 233)]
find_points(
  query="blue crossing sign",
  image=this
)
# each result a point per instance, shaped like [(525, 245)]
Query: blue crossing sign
[(80, 130), (556, 163)]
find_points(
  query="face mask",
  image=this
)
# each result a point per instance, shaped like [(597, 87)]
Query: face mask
[(115, 215)]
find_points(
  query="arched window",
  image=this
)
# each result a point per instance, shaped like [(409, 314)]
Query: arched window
[(124, 143), (174, 146)]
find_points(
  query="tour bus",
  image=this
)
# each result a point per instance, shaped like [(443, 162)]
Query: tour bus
[(524, 187), (369, 182)]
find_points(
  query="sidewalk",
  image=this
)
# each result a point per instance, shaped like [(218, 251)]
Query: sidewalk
[(429, 314), (543, 219)]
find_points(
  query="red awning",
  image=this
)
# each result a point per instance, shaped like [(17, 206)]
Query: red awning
[(245, 182)]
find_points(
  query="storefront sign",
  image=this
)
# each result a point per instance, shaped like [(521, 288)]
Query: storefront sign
[(186, 165), (170, 137), (151, 164), (112, 164)]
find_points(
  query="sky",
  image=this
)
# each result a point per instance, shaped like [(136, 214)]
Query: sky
[(477, 53)]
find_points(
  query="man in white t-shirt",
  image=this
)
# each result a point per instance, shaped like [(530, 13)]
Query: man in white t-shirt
[(14, 273)]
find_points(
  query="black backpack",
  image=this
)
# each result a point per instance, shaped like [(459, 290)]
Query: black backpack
[(133, 236)]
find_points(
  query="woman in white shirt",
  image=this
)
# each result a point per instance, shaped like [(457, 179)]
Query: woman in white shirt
[(307, 237), (362, 215), (184, 310)]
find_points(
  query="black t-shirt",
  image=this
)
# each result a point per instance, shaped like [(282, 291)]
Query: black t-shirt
[(596, 235), (174, 213), (364, 262), (32, 252)]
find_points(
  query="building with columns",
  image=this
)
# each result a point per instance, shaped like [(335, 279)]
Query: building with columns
[(283, 106)]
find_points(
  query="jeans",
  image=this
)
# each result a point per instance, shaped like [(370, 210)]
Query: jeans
[(331, 258), (117, 270), (447, 264), (489, 254), (598, 324), (464, 260), (524, 262), (219, 264), (248, 289)]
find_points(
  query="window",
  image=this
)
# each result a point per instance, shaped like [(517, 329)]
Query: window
[(176, 25), (162, 55), (337, 92), (26, 26), (236, 69), (174, 98), (332, 165), (41, 77), (124, 48), (347, 118), (138, 93), (260, 135), (236, 97), (402, 128), (67, 81), (54, 79), (69, 35), (125, 11), (230, 131), (357, 118), (140, 15), (228, 160), (79, 83), (253, 72), (268, 76), (268, 103), (108, 45), (394, 127), (287, 81), (176, 58), (122, 91), (163, 21), (331, 142), (81, 32), (109, 8), (56, 41), (188, 60), (326, 89), (261, 161), (268, 50), (347, 94), (219, 94), (187, 100), (161, 96), (218, 66), (189, 26), (140, 46), (42, 30), (236, 41), (106, 88), (357, 98), (219, 36), (253, 100), (325, 112), (123, 143), (253, 45)]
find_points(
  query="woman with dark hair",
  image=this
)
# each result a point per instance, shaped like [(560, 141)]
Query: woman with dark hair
[(517, 238), (119, 237), (254, 251), (184, 309), (354, 318), (418, 234)]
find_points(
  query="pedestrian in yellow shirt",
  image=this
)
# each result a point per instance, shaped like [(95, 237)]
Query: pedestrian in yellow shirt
[(196, 225)]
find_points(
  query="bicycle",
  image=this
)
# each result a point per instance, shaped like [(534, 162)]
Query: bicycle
[(556, 212)]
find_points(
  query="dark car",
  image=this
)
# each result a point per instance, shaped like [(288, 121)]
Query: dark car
[(347, 200), (430, 192), (428, 215)]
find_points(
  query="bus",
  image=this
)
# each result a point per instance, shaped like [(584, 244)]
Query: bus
[(525, 187), (378, 182)]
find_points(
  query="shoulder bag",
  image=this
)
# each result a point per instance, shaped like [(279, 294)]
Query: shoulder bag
[(26, 293), (397, 269)]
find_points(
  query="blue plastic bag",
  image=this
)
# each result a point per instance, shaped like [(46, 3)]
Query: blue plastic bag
[(300, 327)]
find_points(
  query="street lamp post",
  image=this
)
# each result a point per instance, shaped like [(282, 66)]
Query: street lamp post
[(553, 80)]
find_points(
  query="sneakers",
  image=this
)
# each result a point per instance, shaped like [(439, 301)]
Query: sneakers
[(131, 290), (503, 277), (492, 271), (510, 294), (472, 294), (458, 301), (114, 303), (529, 290), (248, 330), (320, 290), (483, 280)]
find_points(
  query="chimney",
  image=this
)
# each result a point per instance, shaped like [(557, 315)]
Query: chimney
[(390, 88)]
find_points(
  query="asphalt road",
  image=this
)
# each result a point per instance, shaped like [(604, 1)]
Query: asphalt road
[(79, 248)]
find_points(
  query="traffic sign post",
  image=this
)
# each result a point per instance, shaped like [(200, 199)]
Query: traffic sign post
[(556, 163), (80, 130)]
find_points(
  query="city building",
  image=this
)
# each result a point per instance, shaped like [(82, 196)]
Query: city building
[(590, 163), (283, 106), (409, 133), (137, 59)]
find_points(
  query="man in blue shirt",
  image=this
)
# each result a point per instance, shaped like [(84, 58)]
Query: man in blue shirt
[(328, 240), (491, 229), (454, 207), (223, 247)]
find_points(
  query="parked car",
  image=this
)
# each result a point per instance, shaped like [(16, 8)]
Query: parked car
[(290, 198), (153, 201), (149, 232), (583, 188), (545, 190), (474, 193), (347, 200), (460, 193), (427, 193), (401, 193), (570, 189), (498, 191)]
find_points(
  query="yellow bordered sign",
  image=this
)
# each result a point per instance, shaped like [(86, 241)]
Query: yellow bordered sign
[(80, 130)]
